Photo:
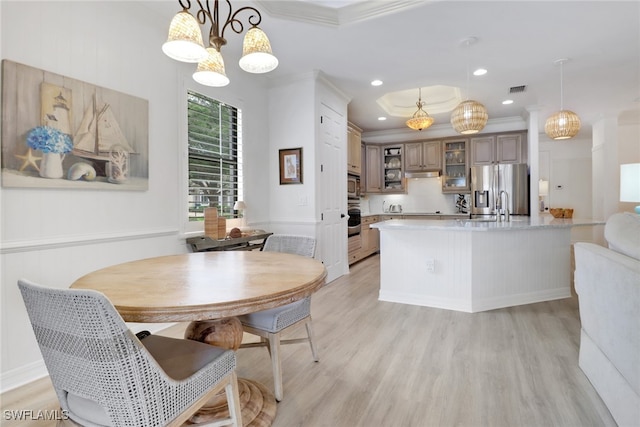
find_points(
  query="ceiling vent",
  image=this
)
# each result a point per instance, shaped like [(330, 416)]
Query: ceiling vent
[(517, 89)]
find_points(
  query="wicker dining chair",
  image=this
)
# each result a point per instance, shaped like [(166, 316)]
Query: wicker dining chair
[(103, 375), (269, 324)]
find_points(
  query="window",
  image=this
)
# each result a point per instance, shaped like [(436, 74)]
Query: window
[(215, 156)]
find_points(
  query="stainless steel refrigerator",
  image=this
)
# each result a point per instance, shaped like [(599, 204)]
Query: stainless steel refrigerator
[(489, 182)]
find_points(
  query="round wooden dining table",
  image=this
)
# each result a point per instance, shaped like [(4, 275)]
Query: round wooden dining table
[(209, 289)]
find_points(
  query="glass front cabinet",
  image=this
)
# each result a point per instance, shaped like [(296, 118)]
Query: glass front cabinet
[(393, 169), (455, 166)]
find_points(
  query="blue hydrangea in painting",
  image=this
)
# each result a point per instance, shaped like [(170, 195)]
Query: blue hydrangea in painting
[(49, 140)]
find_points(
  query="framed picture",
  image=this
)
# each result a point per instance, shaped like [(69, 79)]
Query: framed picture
[(59, 132), (291, 166)]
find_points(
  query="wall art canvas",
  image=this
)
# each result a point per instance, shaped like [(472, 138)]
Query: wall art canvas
[(59, 132)]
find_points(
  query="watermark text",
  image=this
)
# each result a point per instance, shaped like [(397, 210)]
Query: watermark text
[(35, 414)]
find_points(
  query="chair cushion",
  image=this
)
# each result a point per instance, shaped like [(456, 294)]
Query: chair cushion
[(180, 358), (622, 232), (83, 409), (276, 319)]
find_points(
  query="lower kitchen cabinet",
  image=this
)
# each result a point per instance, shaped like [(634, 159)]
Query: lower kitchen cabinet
[(369, 240)]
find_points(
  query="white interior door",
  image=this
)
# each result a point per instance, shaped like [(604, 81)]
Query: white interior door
[(333, 193)]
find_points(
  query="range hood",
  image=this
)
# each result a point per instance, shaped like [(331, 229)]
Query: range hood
[(423, 174)]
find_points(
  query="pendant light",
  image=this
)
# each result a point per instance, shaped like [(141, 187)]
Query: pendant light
[(420, 119), (564, 124), (469, 116)]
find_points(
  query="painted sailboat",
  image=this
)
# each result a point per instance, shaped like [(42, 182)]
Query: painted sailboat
[(98, 133)]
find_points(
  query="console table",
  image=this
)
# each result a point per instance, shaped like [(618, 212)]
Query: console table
[(247, 243)]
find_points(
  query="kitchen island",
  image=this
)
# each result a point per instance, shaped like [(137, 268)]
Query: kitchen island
[(476, 265)]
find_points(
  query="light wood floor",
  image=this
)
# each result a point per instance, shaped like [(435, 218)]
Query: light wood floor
[(387, 364)]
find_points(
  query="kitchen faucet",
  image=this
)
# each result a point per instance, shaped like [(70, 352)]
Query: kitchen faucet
[(507, 216)]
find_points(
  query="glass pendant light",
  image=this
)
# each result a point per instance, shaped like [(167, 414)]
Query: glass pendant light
[(256, 53), (564, 124), (420, 119), (184, 42)]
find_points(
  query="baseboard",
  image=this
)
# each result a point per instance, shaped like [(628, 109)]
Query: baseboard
[(474, 306), (23, 375), (36, 370)]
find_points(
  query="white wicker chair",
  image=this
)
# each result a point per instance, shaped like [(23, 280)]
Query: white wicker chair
[(269, 324), (104, 375)]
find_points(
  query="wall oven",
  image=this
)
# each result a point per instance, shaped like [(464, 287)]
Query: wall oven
[(353, 187), (353, 224)]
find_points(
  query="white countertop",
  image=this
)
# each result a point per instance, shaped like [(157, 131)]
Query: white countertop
[(461, 215), (516, 223)]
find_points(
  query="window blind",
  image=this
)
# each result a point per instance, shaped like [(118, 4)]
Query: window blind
[(215, 165)]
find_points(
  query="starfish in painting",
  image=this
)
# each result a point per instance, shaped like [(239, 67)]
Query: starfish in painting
[(29, 160)]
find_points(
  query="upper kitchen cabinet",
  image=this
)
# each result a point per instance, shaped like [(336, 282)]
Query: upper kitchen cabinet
[(373, 169), (455, 160), (422, 156), (354, 153), (504, 148), (393, 169)]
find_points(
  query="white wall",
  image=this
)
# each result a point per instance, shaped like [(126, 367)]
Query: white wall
[(567, 167), (423, 195), (292, 112), (628, 152), (55, 236)]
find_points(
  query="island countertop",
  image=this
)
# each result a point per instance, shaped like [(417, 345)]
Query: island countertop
[(475, 224), (477, 265)]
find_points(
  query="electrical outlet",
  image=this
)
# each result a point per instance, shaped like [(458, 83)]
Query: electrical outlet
[(431, 265)]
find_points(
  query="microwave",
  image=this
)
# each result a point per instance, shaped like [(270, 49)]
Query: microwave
[(353, 186)]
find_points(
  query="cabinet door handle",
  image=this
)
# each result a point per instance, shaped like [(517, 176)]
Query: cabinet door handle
[(342, 215)]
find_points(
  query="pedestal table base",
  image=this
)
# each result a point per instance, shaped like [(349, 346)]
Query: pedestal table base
[(258, 405)]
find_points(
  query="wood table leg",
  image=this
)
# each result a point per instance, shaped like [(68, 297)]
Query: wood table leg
[(258, 405)]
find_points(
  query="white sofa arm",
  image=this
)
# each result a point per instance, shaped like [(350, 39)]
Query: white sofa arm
[(608, 288)]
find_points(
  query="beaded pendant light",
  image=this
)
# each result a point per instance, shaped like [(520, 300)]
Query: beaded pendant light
[(469, 116), (564, 124)]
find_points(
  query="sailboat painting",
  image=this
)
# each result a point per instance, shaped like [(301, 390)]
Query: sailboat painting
[(99, 137), (98, 132)]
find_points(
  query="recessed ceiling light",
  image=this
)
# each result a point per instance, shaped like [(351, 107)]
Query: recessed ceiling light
[(507, 101), (382, 118), (480, 72), (376, 83)]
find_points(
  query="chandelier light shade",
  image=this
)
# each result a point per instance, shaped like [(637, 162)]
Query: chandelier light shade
[(420, 119), (564, 124), (256, 53), (469, 117), (210, 72), (184, 42)]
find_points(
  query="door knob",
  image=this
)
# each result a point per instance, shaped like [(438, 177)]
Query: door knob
[(342, 215)]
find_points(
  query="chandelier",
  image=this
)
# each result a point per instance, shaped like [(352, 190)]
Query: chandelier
[(185, 44), (564, 124), (420, 119), (469, 116)]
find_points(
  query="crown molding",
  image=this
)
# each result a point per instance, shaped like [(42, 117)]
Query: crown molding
[(315, 14)]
